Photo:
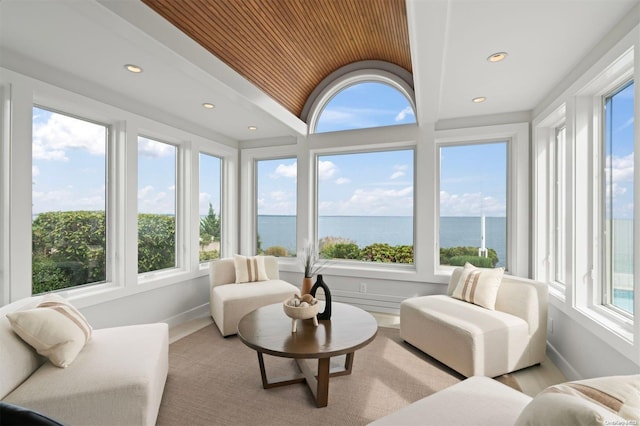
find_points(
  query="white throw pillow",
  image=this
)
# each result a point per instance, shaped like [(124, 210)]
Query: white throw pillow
[(600, 401), (479, 285), (55, 329), (250, 269)]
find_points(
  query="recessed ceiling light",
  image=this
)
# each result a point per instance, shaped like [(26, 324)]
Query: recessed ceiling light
[(208, 105), (252, 128), (133, 68), (497, 57), (478, 100)]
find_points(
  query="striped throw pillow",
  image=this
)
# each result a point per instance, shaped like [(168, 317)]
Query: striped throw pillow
[(479, 286), (55, 329), (599, 401), (250, 269)]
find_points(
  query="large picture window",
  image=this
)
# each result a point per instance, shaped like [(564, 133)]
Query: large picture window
[(619, 198), (69, 201), (366, 206), (156, 205), (473, 204), (209, 207), (276, 183)]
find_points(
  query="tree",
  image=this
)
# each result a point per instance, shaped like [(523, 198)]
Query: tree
[(210, 227)]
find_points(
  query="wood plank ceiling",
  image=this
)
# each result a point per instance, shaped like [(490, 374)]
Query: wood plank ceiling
[(287, 47)]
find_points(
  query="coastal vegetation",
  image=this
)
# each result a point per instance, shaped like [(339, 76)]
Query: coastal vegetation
[(69, 248), (343, 248)]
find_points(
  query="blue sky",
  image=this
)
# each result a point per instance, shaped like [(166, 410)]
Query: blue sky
[(619, 154), (69, 167)]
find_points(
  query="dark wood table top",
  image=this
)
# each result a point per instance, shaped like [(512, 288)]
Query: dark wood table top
[(268, 330)]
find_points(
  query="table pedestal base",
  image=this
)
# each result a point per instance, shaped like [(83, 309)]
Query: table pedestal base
[(318, 383)]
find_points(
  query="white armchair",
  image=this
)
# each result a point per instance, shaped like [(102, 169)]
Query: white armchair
[(229, 302), (476, 341)]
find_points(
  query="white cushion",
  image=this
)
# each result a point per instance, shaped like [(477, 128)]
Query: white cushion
[(477, 401), (55, 329), (249, 269), (479, 286), (599, 401), (117, 379)]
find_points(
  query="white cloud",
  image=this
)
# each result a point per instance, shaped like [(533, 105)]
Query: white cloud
[(626, 124), (470, 204), (377, 201), (400, 171), (154, 149), (279, 195), (35, 171), (287, 171), (621, 168), (403, 114), (326, 170), (60, 133), (144, 192), (342, 181)]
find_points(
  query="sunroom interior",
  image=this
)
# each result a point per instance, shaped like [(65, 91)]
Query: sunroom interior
[(217, 100)]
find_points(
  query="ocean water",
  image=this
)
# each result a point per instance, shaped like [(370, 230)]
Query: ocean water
[(393, 230)]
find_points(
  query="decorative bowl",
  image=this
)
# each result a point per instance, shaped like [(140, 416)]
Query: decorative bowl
[(301, 312)]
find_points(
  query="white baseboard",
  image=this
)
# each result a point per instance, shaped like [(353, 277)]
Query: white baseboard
[(563, 365), (191, 314)]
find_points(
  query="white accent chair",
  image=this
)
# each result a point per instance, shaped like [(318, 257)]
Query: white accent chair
[(476, 341), (118, 377), (229, 302)]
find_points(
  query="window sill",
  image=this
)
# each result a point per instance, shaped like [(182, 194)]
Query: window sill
[(610, 327)]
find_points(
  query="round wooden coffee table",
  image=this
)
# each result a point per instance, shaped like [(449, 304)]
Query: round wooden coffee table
[(268, 331)]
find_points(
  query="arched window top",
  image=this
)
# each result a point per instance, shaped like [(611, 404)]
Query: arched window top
[(361, 98)]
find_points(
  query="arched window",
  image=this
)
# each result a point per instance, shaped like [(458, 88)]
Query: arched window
[(362, 99)]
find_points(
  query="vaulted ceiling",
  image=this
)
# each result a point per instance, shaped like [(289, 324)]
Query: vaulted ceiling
[(287, 47)]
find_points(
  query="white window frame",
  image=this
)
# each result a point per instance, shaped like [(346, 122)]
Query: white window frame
[(352, 78), (228, 199), (180, 214), (517, 139), (361, 141), (588, 164), (19, 94), (584, 101), (248, 183), (545, 167), (110, 210), (343, 264)]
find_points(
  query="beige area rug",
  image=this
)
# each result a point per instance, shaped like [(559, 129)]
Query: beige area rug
[(216, 381)]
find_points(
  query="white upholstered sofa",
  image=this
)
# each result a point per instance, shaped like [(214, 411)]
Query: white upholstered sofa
[(230, 301), (116, 379), (481, 401), (476, 341)]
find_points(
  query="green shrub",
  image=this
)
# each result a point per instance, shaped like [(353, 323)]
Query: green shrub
[(156, 242), (68, 249), (403, 254), (378, 252), (209, 255), (340, 251), (48, 277), (449, 252), (277, 251), (478, 261)]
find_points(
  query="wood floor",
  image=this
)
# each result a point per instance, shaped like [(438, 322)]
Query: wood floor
[(531, 380)]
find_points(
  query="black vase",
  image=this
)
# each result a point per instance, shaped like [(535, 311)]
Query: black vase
[(326, 314)]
